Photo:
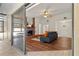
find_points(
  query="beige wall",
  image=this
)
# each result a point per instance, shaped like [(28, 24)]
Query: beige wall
[(76, 29)]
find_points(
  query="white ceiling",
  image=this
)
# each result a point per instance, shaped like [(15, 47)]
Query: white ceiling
[(8, 8), (53, 8)]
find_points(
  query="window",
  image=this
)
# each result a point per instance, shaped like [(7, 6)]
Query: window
[(17, 25), (1, 24)]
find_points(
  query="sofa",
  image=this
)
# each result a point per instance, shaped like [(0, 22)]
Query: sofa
[(50, 38)]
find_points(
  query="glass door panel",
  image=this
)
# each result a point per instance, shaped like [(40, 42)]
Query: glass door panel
[(18, 40)]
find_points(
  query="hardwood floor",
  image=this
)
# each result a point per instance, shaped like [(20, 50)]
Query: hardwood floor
[(62, 43)]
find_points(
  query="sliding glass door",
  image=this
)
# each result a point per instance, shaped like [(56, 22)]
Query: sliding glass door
[(18, 29)]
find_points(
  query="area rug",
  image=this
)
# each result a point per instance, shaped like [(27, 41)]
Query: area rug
[(36, 39)]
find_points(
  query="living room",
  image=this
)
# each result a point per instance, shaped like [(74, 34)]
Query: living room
[(54, 20)]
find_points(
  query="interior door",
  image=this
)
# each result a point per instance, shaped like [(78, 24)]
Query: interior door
[(18, 29)]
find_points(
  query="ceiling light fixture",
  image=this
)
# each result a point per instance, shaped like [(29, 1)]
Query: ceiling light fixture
[(46, 14)]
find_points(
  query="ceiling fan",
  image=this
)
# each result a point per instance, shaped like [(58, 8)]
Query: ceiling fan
[(46, 13)]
